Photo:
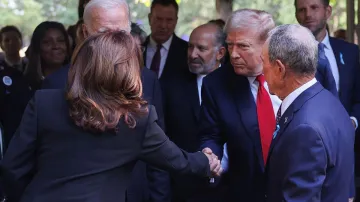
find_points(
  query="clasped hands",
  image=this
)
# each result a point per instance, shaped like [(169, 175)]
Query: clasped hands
[(214, 162)]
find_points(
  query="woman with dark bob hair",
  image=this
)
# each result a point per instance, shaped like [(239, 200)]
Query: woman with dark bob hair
[(81, 144)]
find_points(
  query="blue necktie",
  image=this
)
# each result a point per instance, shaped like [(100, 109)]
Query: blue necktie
[(323, 73)]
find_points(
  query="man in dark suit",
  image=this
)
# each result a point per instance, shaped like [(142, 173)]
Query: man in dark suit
[(311, 156), (237, 108), (166, 55), (183, 98), (96, 19), (342, 57)]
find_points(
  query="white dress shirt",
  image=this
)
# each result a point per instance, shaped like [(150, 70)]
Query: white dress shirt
[(292, 96), (329, 53), (151, 50), (276, 102), (199, 85)]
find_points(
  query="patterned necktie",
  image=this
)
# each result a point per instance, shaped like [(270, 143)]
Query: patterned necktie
[(155, 64), (278, 115), (324, 74), (265, 115)]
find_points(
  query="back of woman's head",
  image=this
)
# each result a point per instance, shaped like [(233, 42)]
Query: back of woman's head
[(104, 82)]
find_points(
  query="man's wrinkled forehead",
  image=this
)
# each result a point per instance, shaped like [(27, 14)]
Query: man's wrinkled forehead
[(110, 20)]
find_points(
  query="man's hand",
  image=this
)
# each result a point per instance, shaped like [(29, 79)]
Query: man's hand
[(215, 165)]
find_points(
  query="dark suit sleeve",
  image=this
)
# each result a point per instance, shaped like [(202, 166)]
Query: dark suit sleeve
[(159, 151), (17, 167), (305, 160), (355, 110), (158, 180), (210, 134)]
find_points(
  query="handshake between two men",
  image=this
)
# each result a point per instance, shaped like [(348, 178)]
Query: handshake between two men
[(215, 164)]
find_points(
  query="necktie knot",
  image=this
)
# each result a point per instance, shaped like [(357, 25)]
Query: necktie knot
[(158, 46), (261, 79), (278, 115), (321, 50)]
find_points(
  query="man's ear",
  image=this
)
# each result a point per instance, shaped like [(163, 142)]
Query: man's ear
[(281, 70), (328, 12), (220, 53), (85, 31), (149, 18)]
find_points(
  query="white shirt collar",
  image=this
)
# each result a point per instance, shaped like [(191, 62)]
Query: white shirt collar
[(165, 45), (326, 41), (251, 79), (292, 96)]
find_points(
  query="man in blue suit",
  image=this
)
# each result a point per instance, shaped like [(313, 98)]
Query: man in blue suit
[(237, 108), (100, 16), (342, 58), (311, 156)]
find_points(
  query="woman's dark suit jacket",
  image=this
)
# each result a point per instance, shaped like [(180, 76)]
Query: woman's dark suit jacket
[(50, 159)]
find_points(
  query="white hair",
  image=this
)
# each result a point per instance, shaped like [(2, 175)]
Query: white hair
[(245, 19), (107, 5), (295, 46)]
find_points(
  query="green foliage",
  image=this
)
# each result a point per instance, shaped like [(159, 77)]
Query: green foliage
[(27, 14)]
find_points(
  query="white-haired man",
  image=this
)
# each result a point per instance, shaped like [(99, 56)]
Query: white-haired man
[(312, 154), (238, 109), (113, 15)]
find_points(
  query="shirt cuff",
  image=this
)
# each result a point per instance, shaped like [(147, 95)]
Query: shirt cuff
[(356, 122)]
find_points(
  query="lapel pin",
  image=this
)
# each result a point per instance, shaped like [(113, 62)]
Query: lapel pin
[(286, 119), (1, 68), (342, 59), (276, 131), (7, 80)]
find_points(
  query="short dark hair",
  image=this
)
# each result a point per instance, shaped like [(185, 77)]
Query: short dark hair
[(164, 3), (138, 32), (10, 28), (220, 37), (325, 2), (219, 22)]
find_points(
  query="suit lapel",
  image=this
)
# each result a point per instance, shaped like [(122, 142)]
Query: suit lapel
[(285, 119), (340, 63), (289, 114), (171, 57), (246, 107)]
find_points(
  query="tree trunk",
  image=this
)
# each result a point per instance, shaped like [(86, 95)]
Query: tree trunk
[(350, 20), (224, 8)]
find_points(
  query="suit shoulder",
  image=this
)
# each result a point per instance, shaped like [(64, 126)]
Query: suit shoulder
[(219, 75), (180, 42), (50, 94), (347, 46)]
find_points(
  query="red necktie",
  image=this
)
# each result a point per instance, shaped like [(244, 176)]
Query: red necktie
[(266, 118)]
